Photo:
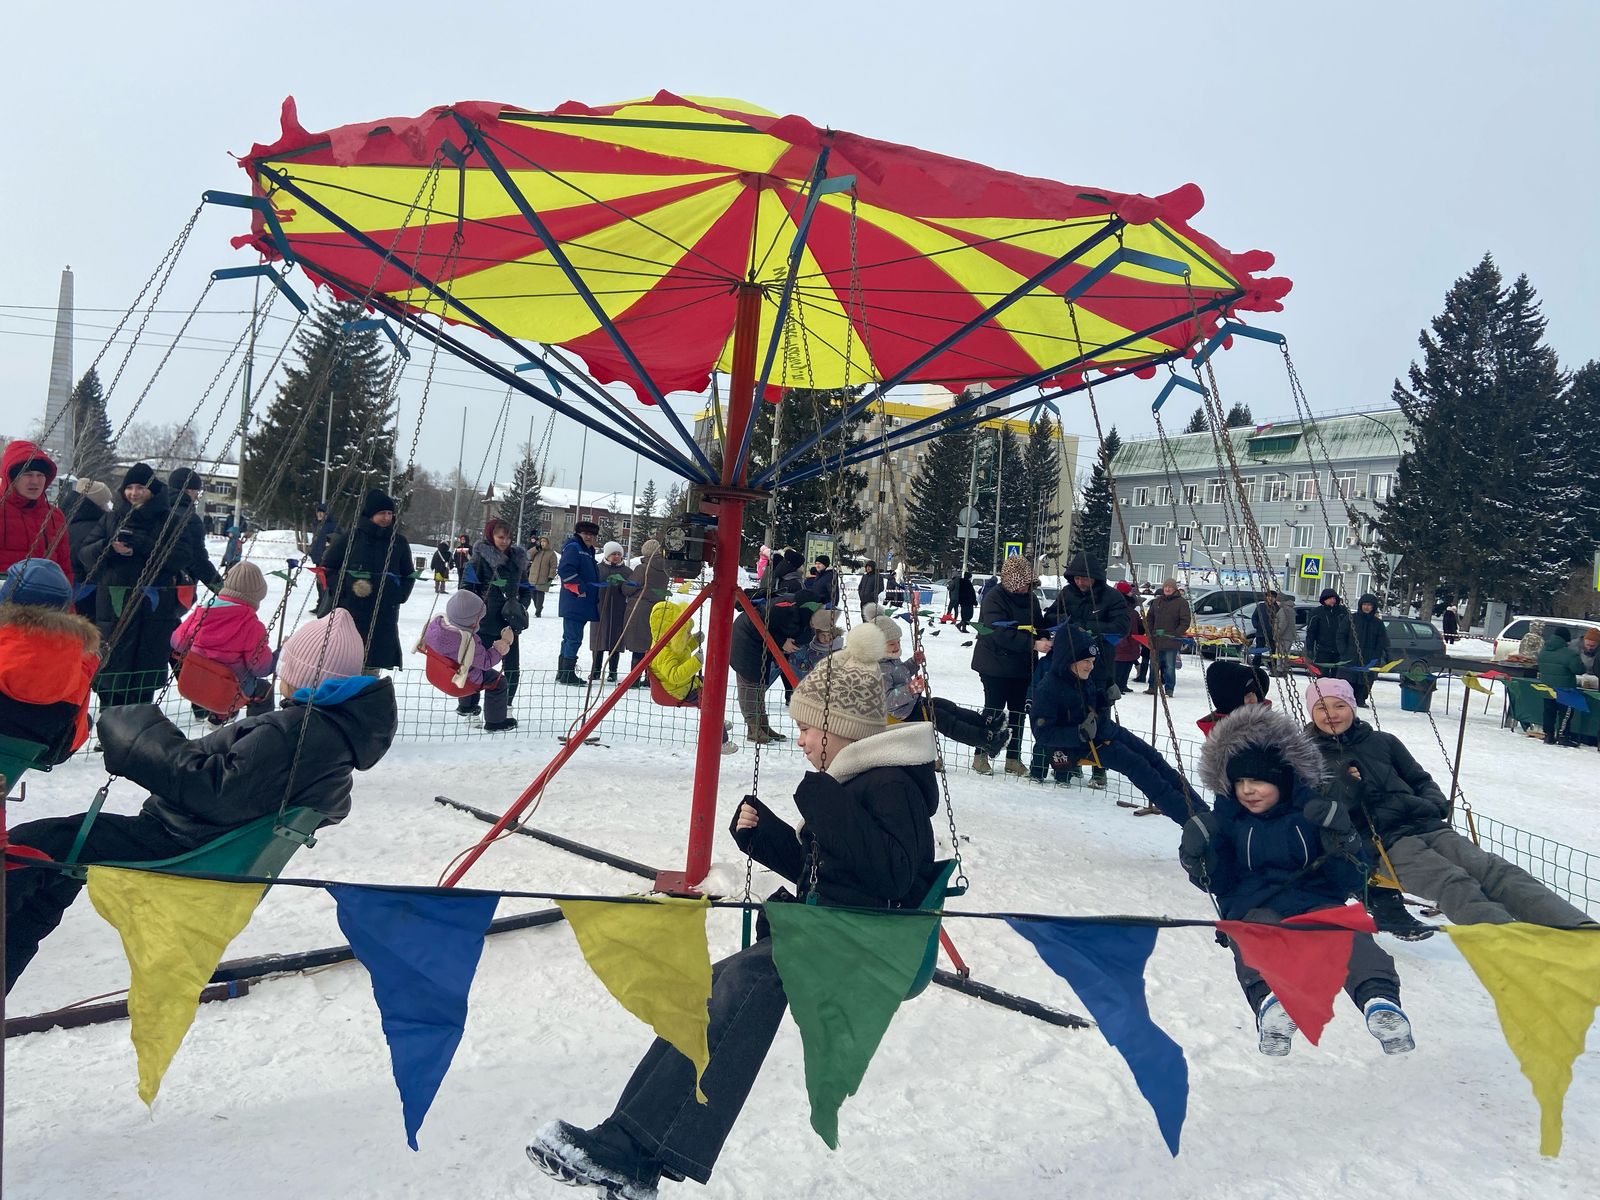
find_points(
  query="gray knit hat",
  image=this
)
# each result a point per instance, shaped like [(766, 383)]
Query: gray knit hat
[(844, 692), (244, 583), (891, 629)]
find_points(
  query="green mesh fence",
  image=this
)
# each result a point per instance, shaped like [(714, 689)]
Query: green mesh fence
[(1569, 872)]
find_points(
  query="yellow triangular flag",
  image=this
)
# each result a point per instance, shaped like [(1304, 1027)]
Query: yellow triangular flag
[(1545, 984), (1389, 666), (1473, 684), (653, 959), (1546, 689), (174, 931)]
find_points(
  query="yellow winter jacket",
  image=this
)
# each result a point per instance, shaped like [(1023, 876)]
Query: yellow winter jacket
[(676, 668)]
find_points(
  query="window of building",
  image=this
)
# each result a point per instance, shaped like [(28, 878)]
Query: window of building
[(1136, 536), (1379, 487), (1214, 491), (1211, 535), (1159, 536), (1304, 538), (1191, 493), (1269, 536), (1141, 496), (1305, 486), (1248, 483), (1274, 488), (1363, 584), (1164, 494), (1338, 535), (1116, 549), (1344, 484)]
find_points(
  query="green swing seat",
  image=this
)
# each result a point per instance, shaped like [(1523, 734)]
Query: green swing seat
[(260, 849), (17, 758)]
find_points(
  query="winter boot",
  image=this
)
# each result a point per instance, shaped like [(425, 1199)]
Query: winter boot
[(980, 764), (729, 746), (1014, 766), (495, 702), (1275, 1028), (611, 670), (771, 734), (567, 673), (579, 1158), (998, 735), (1389, 1025), (641, 681), (755, 733), (1097, 778), (1389, 911)]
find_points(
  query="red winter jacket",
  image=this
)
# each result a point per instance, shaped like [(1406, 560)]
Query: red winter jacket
[(30, 528)]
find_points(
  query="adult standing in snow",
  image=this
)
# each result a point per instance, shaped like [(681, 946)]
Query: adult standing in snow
[(1451, 623), (580, 598), (186, 488), (1128, 650), (866, 842), (966, 600), (322, 534), (441, 564), (498, 573), (1167, 617), (30, 526), (825, 581), (541, 570), (1004, 654), (370, 575), (1330, 645), (1559, 668), (463, 557), (871, 585), (649, 585), (754, 666), (1090, 604), (1272, 622), (87, 507), (1371, 640), (611, 610)]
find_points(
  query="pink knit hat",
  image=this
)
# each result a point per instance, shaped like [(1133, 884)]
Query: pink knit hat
[(1324, 688), (307, 663)]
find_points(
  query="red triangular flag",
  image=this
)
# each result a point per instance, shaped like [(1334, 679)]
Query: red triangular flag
[(1304, 970), (1141, 639)]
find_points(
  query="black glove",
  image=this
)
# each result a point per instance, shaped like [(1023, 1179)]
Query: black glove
[(1344, 789), (744, 837), (1088, 727), (1197, 851), (1113, 694), (1329, 815), (512, 613)]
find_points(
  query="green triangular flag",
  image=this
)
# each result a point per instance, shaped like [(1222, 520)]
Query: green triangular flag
[(119, 597), (845, 972)]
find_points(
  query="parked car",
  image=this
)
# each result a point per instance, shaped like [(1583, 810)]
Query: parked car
[(1220, 602), (1412, 639), (1239, 618), (1505, 645)]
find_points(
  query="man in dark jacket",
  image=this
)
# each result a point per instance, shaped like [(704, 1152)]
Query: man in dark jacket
[(580, 598), (825, 581), (334, 721), (871, 585), (1167, 619), (1090, 604), (1272, 622), (866, 842), (370, 574), (1004, 653), (186, 487), (1371, 640), (85, 509), (1330, 643), (782, 601), (1559, 667), (322, 535)]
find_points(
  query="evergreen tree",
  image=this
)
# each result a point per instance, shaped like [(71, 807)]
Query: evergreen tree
[(1197, 422), (1581, 416), (644, 513), (1043, 466), (1091, 531), (938, 492), (94, 454), (1239, 417), (673, 506), (520, 505), (352, 369)]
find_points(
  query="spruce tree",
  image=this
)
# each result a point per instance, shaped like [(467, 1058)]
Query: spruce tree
[(1091, 531), (1239, 417), (1015, 510), (1580, 416), (644, 513), (938, 493), (1197, 422), (352, 369), (520, 504), (94, 454)]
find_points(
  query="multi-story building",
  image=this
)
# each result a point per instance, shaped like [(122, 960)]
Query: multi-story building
[(559, 510), (1313, 490)]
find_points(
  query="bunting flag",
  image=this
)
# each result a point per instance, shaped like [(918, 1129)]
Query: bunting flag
[(174, 931), (152, 597), (845, 973), (421, 951), (1305, 973), (185, 593), (1380, 668), (119, 597), (653, 959), (1104, 965), (1472, 685), (1546, 689), (1545, 984), (1573, 698)]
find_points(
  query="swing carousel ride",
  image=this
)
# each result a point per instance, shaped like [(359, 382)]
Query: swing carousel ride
[(661, 241)]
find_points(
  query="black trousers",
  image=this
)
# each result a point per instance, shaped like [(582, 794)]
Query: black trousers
[(1369, 975), (538, 602), (1124, 669), (1555, 720), (657, 1109), (958, 724), (38, 897), (1010, 696)]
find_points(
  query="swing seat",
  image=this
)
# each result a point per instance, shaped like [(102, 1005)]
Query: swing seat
[(211, 685), (260, 849), (934, 900), (17, 757), (666, 699), (442, 674)]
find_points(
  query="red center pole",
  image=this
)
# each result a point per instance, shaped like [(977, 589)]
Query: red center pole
[(724, 584)]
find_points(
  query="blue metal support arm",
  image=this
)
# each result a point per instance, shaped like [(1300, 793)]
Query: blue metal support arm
[(366, 323), (999, 306), (559, 257), (262, 271), (260, 204), (814, 189), (394, 309), (1230, 329), (1173, 381)]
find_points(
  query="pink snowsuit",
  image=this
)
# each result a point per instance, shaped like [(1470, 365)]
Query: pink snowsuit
[(444, 638), (226, 632)]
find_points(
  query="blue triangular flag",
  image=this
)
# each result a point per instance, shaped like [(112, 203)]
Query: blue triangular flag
[(153, 596), (421, 951), (1573, 698), (82, 591), (1104, 965)]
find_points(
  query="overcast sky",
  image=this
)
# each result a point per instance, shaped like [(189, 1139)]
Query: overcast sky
[(1377, 149)]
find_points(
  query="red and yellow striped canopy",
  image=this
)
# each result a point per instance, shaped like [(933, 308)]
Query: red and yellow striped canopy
[(663, 206)]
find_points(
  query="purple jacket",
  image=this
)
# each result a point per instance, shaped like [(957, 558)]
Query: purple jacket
[(444, 638)]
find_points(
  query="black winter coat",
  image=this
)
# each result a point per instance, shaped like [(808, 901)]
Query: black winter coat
[(201, 789), (198, 567), (498, 578), (1102, 611), (1396, 795), (1006, 651), (870, 587), (153, 532), (83, 517), (866, 830), (786, 618), (1059, 703), (356, 565), (1280, 860), (1328, 639), (1372, 637), (321, 538)]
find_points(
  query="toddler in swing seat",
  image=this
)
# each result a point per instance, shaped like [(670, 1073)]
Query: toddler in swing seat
[(905, 684), (677, 666), (48, 657), (227, 631), (454, 634), (1276, 846), (824, 641)]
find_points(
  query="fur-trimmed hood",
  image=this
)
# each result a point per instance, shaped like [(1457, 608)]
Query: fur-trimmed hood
[(51, 622), (907, 745), (1257, 726)]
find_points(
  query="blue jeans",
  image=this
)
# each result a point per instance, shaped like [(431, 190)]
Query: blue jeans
[(571, 636), (1168, 660)]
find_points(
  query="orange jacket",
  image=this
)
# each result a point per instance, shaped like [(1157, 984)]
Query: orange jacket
[(47, 660)]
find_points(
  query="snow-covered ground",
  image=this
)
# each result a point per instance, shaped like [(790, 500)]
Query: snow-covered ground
[(287, 1092)]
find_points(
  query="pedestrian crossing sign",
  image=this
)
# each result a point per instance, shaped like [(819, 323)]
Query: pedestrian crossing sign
[(1013, 549), (1311, 566)]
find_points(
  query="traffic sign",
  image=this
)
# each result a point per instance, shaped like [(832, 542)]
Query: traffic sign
[(1013, 549), (1183, 566), (966, 531), (967, 516), (1311, 566)]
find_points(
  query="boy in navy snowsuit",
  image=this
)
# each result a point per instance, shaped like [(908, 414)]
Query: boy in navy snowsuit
[(1071, 715), (1277, 846)]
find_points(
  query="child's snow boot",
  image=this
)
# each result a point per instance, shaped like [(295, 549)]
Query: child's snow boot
[(729, 746), (1097, 778), (1389, 1025), (1275, 1028), (1389, 912), (578, 1158)]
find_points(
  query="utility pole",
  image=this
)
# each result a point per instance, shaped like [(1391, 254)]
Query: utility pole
[(999, 488), (633, 508), (772, 498), (522, 501), (327, 443), (244, 410), (461, 456), (583, 457), (972, 496)]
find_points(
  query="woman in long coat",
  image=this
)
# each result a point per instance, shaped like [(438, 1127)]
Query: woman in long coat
[(370, 575), (651, 585), (616, 586)]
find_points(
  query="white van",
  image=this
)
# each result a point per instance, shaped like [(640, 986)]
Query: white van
[(1511, 636)]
